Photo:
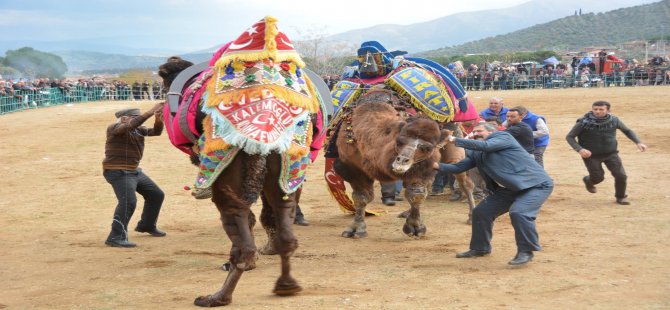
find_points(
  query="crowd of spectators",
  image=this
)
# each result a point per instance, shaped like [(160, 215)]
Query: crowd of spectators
[(499, 76), (25, 93)]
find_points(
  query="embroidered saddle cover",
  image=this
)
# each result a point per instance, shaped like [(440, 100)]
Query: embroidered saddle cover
[(259, 101)]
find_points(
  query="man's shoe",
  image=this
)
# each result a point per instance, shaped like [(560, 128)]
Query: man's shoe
[(472, 253), (300, 220), (120, 243), (398, 198), (154, 232), (389, 201), (436, 192), (455, 196), (623, 201), (521, 258), (589, 187)]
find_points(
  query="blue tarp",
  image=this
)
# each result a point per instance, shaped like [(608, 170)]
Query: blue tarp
[(551, 60), (586, 60)]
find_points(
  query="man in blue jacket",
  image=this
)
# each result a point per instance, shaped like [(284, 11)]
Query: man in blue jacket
[(496, 109), (540, 132), (517, 185)]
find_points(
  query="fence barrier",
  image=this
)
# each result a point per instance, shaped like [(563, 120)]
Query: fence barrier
[(31, 99)]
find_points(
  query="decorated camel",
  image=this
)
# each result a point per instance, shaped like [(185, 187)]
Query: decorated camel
[(257, 129), (407, 86), (378, 144)]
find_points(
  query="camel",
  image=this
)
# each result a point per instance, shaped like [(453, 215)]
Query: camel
[(450, 154), (246, 179), (378, 144), (265, 91)]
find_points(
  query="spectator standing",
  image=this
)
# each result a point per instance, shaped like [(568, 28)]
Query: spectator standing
[(496, 109), (520, 130), (540, 132)]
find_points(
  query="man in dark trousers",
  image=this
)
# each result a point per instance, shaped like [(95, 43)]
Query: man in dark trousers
[(596, 144), (517, 184), (123, 152)]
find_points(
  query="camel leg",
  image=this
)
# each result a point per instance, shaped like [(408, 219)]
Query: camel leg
[(468, 187), (362, 194), (285, 242), (233, 193), (270, 226), (242, 253), (227, 266), (415, 194), (358, 228)]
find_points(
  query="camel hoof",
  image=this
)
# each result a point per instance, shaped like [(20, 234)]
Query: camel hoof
[(354, 234), (404, 214), (414, 231), (208, 301), (227, 266), (287, 290)]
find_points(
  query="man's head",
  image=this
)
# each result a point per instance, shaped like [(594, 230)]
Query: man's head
[(493, 121), (483, 130), (514, 116), (496, 104), (125, 114), (600, 108)]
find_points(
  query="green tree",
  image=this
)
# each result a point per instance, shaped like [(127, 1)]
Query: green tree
[(35, 63), (9, 72)]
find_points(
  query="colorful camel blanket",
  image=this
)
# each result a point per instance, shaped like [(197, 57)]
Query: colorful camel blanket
[(293, 169), (426, 91)]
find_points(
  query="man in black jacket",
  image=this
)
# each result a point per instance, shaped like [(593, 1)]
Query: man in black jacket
[(596, 143), (520, 130)]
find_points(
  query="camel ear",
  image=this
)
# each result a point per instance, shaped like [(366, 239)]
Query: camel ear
[(401, 124)]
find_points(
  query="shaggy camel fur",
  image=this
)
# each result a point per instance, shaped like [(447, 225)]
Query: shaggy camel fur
[(387, 148)]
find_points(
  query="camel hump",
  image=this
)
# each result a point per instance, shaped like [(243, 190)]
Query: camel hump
[(375, 107)]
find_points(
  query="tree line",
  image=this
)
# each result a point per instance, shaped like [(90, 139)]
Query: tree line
[(29, 62)]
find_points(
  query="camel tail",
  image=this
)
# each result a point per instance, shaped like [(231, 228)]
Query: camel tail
[(254, 177)]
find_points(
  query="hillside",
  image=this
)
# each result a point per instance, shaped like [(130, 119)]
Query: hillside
[(648, 21), (467, 26), (78, 61)]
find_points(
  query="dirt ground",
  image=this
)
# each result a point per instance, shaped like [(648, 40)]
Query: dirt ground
[(56, 211)]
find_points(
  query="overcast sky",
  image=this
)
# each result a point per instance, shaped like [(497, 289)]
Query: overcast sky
[(205, 23)]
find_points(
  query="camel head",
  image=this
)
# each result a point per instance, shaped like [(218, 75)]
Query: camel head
[(417, 141), (169, 70)]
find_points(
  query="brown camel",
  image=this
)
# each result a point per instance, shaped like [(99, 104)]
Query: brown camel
[(450, 153), (240, 184), (377, 144)]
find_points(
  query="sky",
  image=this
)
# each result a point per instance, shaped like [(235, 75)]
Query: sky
[(192, 25)]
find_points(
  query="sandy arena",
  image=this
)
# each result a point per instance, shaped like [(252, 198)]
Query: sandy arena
[(56, 211)]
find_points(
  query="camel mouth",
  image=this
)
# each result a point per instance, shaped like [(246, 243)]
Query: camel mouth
[(400, 168)]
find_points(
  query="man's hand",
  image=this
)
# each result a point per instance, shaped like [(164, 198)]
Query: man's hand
[(159, 115), (585, 153), (436, 166), (642, 147)]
